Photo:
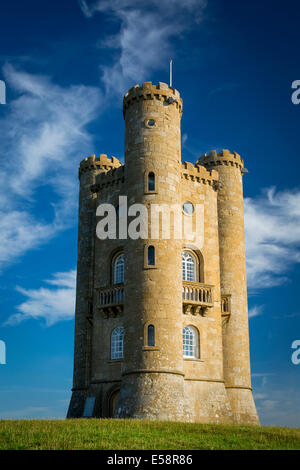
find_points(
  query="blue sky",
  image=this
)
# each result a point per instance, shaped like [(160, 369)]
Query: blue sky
[(66, 66)]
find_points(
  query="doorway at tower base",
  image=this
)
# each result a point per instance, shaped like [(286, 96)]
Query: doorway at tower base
[(112, 402)]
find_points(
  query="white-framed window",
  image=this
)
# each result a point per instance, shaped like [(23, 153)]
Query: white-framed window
[(190, 341), (117, 343), (118, 269), (189, 268)]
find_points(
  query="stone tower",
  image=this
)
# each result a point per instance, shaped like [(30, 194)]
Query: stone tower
[(237, 376), (152, 382), (161, 324)]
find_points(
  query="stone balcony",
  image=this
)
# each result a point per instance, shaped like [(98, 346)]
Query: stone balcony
[(196, 297), (111, 301)]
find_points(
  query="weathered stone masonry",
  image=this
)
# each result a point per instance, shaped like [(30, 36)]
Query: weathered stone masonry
[(153, 379)]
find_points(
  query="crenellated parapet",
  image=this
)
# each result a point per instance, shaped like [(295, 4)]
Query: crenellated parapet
[(199, 174), (102, 163), (161, 92), (225, 157), (112, 178)]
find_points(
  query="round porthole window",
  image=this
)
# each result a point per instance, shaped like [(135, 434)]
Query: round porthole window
[(188, 207), (150, 123)]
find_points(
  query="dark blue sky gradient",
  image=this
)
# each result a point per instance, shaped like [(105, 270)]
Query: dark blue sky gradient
[(234, 71)]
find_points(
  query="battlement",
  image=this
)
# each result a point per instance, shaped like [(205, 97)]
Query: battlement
[(200, 174), (147, 91), (225, 157), (112, 177), (103, 163)]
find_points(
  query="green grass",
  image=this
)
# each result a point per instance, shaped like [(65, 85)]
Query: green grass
[(116, 434)]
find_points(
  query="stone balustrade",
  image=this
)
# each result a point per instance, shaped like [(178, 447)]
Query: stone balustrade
[(110, 301), (196, 297)]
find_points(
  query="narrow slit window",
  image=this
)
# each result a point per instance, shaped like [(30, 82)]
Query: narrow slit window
[(151, 256), (151, 335), (151, 181)]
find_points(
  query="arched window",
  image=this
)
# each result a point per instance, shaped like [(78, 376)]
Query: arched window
[(151, 335), (189, 269), (117, 343), (112, 402), (151, 181), (151, 256), (118, 269), (190, 341)]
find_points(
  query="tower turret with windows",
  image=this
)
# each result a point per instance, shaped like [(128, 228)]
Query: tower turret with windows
[(161, 326)]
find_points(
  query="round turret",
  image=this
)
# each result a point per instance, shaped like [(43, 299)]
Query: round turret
[(237, 376), (152, 383), (98, 164), (89, 168), (225, 157)]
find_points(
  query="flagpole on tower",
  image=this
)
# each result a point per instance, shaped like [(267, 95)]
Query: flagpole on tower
[(171, 63)]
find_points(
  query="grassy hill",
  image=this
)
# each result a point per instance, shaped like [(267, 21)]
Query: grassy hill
[(116, 434)]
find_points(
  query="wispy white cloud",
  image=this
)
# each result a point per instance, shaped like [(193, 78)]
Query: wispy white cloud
[(255, 311), (46, 123), (272, 226), (262, 374), (43, 137), (48, 304), (184, 138), (29, 412), (44, 129), (277, 398), (162, 6), (291, 315), (263, 377), (143, 42), (20, 232), (223, 88), (260, 396)]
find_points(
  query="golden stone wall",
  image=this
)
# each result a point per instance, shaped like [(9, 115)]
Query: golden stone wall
[(157, 382)]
